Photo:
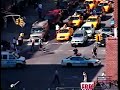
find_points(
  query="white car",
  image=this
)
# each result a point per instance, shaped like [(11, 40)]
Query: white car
[(79, 37), (107, 31), (11, 59), (80, 61), (89, 29)]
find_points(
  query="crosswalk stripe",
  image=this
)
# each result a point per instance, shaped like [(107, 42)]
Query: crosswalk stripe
[(57, 43)]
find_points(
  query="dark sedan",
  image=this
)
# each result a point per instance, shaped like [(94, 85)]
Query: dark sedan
[(83, 9), (98, 11)]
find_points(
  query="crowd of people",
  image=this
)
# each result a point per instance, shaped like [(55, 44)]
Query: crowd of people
[(14, 45)]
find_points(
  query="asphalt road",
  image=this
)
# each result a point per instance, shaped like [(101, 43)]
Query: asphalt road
[(40, 68)]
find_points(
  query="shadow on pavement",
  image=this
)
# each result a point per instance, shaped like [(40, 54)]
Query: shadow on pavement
[(87, 44), (39, 77)]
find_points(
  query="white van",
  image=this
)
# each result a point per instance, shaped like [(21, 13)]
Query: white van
[(89, 29), (11, 59)]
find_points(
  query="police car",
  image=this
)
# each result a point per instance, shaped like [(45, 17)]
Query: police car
[(11, 59)]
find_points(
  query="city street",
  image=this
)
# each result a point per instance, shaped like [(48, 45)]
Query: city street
[(40, 67), (39, 71)]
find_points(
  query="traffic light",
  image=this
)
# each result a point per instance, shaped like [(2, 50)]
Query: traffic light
[(17, 21), (100, 37), (21, 22), (96, 38)]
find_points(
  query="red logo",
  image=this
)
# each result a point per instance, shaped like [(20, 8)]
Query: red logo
[(87, 85)]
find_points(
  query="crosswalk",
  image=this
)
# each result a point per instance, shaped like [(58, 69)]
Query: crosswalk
[(52, 43), (67, 42)]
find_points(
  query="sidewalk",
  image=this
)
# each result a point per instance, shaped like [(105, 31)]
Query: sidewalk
[(31, 16)]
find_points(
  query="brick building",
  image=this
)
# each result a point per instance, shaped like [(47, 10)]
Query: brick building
[(111, 66), (111, 62), (116, 12)]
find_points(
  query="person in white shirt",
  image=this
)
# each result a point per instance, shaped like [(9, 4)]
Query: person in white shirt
[(57, 28), (84, 77), (103, 76)]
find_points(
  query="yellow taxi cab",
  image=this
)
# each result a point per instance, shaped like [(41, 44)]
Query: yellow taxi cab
[(94, 19), (92, 3), (106, 5), (64, 33), (75, 20)]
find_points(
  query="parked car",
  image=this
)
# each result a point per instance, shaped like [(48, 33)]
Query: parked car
[(64, 33), (89, 29), (12, 59), (107, 31), (106, 5), (95, 20), (40, 29), (79, 37), (99, 10), (80, 61), (74, 20)]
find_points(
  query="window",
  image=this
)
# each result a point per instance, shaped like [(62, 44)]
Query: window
[(11, 57), (64, 31), (37, 30), (4, 56), (78, 35), (80, 58), (75, 58)]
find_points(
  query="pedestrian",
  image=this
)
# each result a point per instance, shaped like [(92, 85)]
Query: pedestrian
[(14, 41), (20, 41), (103, 76), (84, 77), (39, 9), (57, 28), (56, 77), (94, 51), (75, 50), (40, 44), (33, 45)]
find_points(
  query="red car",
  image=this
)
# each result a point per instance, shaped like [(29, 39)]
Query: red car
[(54, 16)]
